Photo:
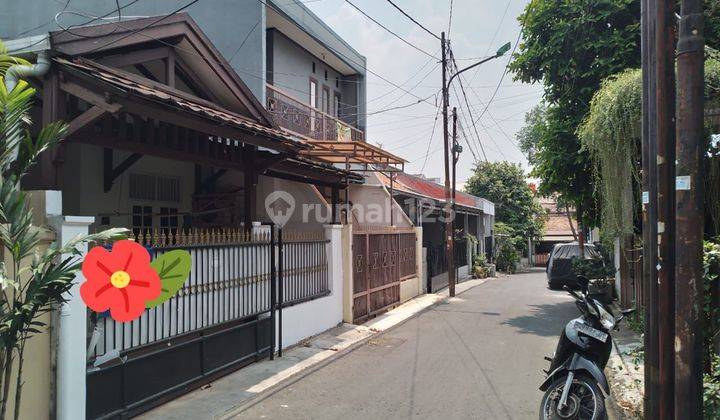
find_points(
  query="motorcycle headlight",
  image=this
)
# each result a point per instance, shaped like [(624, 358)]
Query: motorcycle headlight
[(606, 318)]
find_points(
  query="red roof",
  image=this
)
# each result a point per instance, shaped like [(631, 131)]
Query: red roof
[(421, 186)]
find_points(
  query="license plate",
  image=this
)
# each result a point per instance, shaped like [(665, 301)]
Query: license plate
[(592, 332)]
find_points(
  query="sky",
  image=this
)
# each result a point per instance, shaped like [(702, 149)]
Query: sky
[(478, 29)]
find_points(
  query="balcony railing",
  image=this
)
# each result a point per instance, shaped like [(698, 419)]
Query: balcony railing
[(306, 121)]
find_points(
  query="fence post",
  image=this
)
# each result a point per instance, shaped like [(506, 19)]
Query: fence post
[(72, 328), (272, 291), (347, 274), (335, 250), (419, 271), (280, 288)]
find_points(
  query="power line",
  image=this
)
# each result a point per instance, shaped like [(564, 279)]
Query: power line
[(107, 44), (432, 135), (413, 20), (242, 44), (522, 28), (386, 28), (467, 104)]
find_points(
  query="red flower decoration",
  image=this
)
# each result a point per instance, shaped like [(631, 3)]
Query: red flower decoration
[(121, 280)]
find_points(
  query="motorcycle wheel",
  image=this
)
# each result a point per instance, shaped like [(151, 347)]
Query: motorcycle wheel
[(585, 400)]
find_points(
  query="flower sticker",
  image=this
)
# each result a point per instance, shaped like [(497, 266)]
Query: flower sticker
[(121, 280)]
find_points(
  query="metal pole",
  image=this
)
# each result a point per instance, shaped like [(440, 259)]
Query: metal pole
[(649, 179), (272, 291), (448, 196), (281, 257), (689, 211)]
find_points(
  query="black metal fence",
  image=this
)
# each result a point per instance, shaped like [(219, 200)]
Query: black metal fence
[(222, 318), (304, 268)]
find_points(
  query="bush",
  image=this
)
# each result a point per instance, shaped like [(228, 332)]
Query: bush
[(507, 257), (711, 390), (480, 268)]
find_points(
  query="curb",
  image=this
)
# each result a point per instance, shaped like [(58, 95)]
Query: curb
[(263, 395), (617, 381)]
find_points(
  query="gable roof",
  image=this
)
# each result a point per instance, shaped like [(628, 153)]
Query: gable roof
[(179, 32)]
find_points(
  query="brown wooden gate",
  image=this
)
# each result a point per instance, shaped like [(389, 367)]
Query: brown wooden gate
[(381, 260)]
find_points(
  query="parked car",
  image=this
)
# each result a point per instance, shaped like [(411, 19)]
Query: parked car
[(559, 270)]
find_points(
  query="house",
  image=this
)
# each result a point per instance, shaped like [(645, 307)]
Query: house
[(424, 201), (165, 139), (182, 127), (559, 227)]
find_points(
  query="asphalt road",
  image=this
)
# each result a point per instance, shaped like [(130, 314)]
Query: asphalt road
[(479, 356)]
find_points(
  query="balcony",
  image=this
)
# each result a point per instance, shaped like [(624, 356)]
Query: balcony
[(305, 121)]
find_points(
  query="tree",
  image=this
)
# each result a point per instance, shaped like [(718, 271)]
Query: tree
[(571, 46), (504, 184), (32, 283)]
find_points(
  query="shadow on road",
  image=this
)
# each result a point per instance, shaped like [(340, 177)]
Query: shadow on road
[(544, 320)]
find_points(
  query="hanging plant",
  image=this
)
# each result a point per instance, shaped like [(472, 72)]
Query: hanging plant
[(611, 134)]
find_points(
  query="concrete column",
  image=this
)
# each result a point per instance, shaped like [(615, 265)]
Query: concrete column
[(72, 325), (334, 250), (347, 274), (419, 266)]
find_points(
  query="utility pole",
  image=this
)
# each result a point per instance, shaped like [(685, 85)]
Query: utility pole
[(649, 200), (664, 62), (448, 196), (455, 157), (690, 215)]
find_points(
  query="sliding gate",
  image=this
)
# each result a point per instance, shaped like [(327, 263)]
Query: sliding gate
[(382, 258), (222, 319)]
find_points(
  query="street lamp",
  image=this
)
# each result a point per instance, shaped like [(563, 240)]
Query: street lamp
[(450, 195)]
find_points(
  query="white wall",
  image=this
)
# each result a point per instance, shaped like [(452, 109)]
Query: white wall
[(311, 318)]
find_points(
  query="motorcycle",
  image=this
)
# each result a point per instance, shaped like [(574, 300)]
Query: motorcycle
[(575, 378)]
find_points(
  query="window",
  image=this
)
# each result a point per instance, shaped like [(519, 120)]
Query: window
[(142, 219), (336, 105), (325, 74), (326, 100), (151, 187), (168, 220), (313, 65), (337, 82), (313, 93)]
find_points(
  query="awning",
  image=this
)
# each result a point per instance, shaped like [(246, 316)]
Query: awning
[(371, 158)]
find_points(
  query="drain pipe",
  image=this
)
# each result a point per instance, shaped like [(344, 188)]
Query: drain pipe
[(18, 71)]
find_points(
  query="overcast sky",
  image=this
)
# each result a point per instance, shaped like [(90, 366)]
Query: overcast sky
[(478, 28)]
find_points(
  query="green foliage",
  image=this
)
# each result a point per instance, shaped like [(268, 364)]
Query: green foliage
[(611, 135), (711, 390), (504, 184), (711, 288), (571, 46), (173, 269), (507, 243), (33, 282), (480, 266)]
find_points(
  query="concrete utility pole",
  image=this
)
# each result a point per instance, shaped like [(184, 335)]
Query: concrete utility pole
[(448, 195), (664, 63), (690, 215)]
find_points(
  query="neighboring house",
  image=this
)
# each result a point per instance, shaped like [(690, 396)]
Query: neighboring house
[(559, 228), (423, 200)]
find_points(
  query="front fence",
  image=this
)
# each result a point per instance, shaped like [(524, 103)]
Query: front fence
[(220, 320), (381, 260)]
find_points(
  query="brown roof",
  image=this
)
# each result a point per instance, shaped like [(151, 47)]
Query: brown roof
[(146, 89), (557, 224)]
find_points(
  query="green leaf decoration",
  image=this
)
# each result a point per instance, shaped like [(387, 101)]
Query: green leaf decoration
[(173, 268)]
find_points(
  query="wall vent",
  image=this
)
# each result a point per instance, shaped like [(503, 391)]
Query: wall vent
[(151, 187)]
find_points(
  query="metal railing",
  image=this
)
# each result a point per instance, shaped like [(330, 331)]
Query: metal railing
[(306, 121), (231, 280), (304, 267)]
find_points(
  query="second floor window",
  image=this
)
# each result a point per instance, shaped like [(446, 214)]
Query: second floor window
[(336, 105), (313, 93)]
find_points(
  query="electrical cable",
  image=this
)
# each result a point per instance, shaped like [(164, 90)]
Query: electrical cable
[(390, 31), (412, 19)]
